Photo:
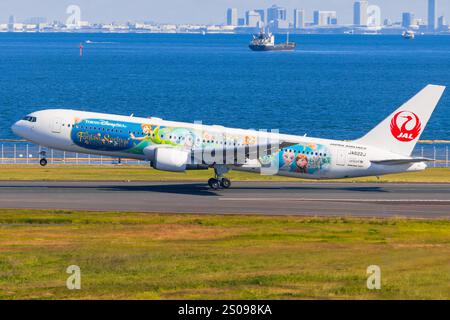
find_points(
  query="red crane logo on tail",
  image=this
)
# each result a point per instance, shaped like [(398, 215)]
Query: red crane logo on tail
[(405, 126)]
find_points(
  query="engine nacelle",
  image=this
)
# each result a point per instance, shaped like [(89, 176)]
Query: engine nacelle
[(170, 159)]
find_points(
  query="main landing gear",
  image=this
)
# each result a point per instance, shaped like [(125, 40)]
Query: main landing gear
[(219, 181), (43, 162), (216, 184)]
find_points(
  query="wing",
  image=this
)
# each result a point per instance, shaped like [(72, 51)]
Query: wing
[(238, 155)]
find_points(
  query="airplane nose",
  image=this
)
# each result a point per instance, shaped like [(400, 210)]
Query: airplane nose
[(14, 128), (17, 129)]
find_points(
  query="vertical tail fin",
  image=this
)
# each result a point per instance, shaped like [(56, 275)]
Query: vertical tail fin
[(400, 131)]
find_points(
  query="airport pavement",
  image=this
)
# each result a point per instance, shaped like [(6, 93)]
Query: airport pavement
[(269, 198)]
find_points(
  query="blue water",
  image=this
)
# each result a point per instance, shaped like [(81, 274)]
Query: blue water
[(331, 86)]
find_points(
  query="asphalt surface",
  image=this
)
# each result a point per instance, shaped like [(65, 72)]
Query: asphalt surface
[(269, 198)]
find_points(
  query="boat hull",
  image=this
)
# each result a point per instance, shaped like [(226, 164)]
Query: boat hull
[(277, 47)]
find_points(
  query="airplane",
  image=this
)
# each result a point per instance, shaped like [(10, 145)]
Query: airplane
[(178, 146)]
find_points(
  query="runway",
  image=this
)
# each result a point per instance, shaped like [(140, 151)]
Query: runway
[(268, 198)]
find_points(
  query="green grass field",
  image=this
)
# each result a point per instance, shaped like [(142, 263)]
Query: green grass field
[(151, 256), (143, 173)]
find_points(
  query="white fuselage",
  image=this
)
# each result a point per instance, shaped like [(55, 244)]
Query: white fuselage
[(133, 137)]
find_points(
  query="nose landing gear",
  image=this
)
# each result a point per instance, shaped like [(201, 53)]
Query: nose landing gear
[(219, 181), (43, 162)]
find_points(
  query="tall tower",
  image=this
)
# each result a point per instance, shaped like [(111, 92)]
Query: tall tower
[(407, 19), (360, 13), (232, 17), (275, 13), (299, 19), (432, 15)]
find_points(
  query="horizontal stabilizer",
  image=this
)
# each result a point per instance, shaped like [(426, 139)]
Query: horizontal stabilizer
[(401, 161)]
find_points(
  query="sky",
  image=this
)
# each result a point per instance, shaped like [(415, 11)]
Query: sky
[(198, 11)]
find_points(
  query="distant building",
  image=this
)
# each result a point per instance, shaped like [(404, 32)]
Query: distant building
[(35, 20), (83, 24), (442, 24), (11, 22), (407, 19), (325, 18), (252, 19), (232, 17), (277, 18), (262, 14), (299, 19), (419, 22), (281, 25), (360, 13), (432, 15), (387, 22), (275, 13), (241, 22)]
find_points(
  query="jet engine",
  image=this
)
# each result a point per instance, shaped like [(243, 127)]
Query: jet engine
[(170, 159)]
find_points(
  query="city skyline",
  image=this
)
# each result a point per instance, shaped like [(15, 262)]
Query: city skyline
[(178, 11)]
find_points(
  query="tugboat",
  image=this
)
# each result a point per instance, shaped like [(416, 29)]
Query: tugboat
[(266, 42), (408, 34)]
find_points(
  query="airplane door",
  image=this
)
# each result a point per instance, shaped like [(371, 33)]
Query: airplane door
[(56, 125), (341, 159)]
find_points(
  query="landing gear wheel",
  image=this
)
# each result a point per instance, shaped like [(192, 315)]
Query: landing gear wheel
[(43, 162), (214, 183), (225, 183)]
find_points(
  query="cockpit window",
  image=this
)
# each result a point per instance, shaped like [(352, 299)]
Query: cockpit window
[(29, 118)]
